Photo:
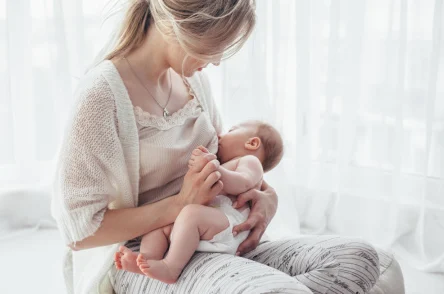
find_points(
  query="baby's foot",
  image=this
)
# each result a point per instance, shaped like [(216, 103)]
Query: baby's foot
[(126, 259), (158, 269)]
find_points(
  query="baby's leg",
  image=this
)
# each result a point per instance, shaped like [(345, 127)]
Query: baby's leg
[(194, 223), (153, 246)]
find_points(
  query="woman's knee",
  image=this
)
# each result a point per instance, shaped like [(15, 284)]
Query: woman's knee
[(365, 251), (359, 259), (348, 263)]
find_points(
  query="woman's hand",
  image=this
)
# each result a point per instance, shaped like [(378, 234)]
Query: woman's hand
[(201, 183), (263, 208)]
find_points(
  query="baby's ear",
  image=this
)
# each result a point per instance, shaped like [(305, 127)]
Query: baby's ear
[(253, 143)]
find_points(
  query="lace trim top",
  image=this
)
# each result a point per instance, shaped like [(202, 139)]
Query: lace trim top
[(191, 109)]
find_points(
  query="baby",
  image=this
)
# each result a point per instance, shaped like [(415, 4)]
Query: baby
[(245, 153)]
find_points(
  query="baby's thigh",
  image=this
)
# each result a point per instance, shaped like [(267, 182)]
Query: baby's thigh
[(208, 220), (167, 230), (157, 236), (213, 273), (160, 232)]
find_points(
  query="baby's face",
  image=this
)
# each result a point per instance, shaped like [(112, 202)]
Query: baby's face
[(232, 144)]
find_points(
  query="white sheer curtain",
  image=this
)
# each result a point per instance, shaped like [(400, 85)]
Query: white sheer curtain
[(356, 88), (45, 45)]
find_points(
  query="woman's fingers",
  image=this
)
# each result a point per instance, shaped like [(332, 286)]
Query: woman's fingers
[(246, 225), (244, 198), (208, 169), (216, 189), (212, 179), (212, 184), (251, 242), (212, 188)]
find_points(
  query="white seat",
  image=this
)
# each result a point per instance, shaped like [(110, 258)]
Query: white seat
[(391, 280)]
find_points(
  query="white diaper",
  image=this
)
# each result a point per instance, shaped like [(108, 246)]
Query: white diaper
[(225, 242)]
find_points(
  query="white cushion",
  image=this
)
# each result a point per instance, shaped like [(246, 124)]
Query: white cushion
[(391, 280)]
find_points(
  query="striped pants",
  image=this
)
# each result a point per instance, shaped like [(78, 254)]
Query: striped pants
[(309, 264)]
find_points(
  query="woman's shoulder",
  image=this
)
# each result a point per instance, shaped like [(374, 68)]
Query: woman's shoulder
[(100, 85)]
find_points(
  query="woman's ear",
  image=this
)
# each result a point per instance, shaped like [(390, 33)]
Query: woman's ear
[(253, 144)]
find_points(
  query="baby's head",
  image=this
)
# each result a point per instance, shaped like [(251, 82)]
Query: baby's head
[(252, 138)]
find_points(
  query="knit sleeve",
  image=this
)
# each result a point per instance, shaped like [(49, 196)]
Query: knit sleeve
[(215, 116), (90, 158)]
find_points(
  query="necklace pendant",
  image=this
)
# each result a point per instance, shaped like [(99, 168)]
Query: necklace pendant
[(165, 112)]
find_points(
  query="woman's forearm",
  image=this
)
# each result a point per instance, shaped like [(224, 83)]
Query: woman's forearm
[(120, 225)]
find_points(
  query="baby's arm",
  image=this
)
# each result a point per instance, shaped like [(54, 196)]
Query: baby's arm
[(247, 175)]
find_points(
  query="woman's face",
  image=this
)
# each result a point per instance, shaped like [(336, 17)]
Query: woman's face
[(187, 65)]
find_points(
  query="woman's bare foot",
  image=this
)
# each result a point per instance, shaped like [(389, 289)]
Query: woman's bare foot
[(158, 269), (126, 259)]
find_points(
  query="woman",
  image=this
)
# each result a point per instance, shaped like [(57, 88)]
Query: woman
[(122, 170)]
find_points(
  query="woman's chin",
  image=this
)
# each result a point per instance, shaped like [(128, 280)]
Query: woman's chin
[(189, 74), (186, 74)]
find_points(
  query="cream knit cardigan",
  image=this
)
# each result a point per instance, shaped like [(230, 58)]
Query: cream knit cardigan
[(98, 169)]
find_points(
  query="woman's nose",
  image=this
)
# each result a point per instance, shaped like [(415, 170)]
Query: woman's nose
[(216, 63)]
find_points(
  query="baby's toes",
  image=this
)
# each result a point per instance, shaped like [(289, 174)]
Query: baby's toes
[(140, 259), (117, 256)]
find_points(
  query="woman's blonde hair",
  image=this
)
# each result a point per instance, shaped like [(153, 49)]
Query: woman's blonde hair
[(205, 29)]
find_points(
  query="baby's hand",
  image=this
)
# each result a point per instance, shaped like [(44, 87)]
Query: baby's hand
[(199, 158)]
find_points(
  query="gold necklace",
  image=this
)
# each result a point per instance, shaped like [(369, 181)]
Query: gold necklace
[(165, 111)]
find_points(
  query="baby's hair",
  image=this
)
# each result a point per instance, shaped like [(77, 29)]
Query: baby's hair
[(272, 142)]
